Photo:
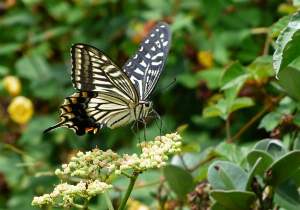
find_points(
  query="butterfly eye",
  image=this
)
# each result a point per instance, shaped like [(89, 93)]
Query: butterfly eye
[(147, 103)]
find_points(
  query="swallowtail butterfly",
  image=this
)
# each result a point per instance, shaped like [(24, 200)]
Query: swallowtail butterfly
[(110, 95)]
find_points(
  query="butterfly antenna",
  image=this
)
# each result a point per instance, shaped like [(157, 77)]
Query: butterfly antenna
[(165, 87)]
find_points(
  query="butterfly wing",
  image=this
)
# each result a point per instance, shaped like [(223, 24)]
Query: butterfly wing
[(146, 65), (106, 93)]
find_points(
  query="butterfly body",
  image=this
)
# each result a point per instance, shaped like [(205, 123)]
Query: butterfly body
[(111, 96)]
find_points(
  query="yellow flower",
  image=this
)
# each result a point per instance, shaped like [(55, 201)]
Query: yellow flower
[(206, 59), (20, 109), (136, 205), (12, 85)]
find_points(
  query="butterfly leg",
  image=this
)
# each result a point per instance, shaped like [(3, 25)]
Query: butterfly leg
[(161, 121), (145, 125)]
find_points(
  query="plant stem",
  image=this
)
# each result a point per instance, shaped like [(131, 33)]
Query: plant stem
[(140, 186), (270, 197), (86, 203), (228, 129), (133, 179), (256, 117), (108, 201), (206, 160)]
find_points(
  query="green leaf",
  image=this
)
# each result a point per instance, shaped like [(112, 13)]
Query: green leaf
[(252, 173), (263, 165), (181, 129), (4, 70), (283, 168), (212, 77), (289, 80), (227, 150), (296, 120), (235, 173), (297, 143), (261, 68), (222, 105), (235, 200), (187, 80), (34, 68), (270, 121), (277, 27), (240, 103), (9, 48), (288, 43), (191, 147), (287, 196), (173, 175), (218, 206), (272, 146), (225, 178), (296, 177), (56, 31), (235, 81), (235, 74), (211, 111), (276, 149), (22, 18)]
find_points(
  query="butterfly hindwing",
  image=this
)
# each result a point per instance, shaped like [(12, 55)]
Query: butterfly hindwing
[(146, 64)]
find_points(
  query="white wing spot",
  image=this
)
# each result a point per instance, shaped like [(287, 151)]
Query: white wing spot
[(143, 63), (162, 36), (162, 26), (165, 43), (153, 48), (137, 70), (147, 55), (147, 41), (157, 43), (156, 63), (152, 35), (157, 29), (158, 54), (135, 56), (129, 64), (142, 48)]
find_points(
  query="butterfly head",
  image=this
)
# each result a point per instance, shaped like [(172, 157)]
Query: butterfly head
[(142, 109), (148, 104)]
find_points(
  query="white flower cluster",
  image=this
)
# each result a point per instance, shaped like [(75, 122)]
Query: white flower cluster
[(93, 166), (68, 192), (154, 155)]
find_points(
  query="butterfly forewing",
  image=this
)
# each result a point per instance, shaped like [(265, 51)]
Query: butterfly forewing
[(92, 70), (146, 64)]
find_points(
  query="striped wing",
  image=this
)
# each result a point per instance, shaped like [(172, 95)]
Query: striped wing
[(146, 65), (106, 93), (92, 70)]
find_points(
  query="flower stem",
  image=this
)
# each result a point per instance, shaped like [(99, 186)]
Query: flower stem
[(86, 203), (133, 179), (108, 201)]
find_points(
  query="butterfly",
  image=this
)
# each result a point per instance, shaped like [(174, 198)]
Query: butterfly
[(111, 96)]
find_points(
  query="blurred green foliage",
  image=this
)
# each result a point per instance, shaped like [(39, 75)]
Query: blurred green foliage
[(233, 85)]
